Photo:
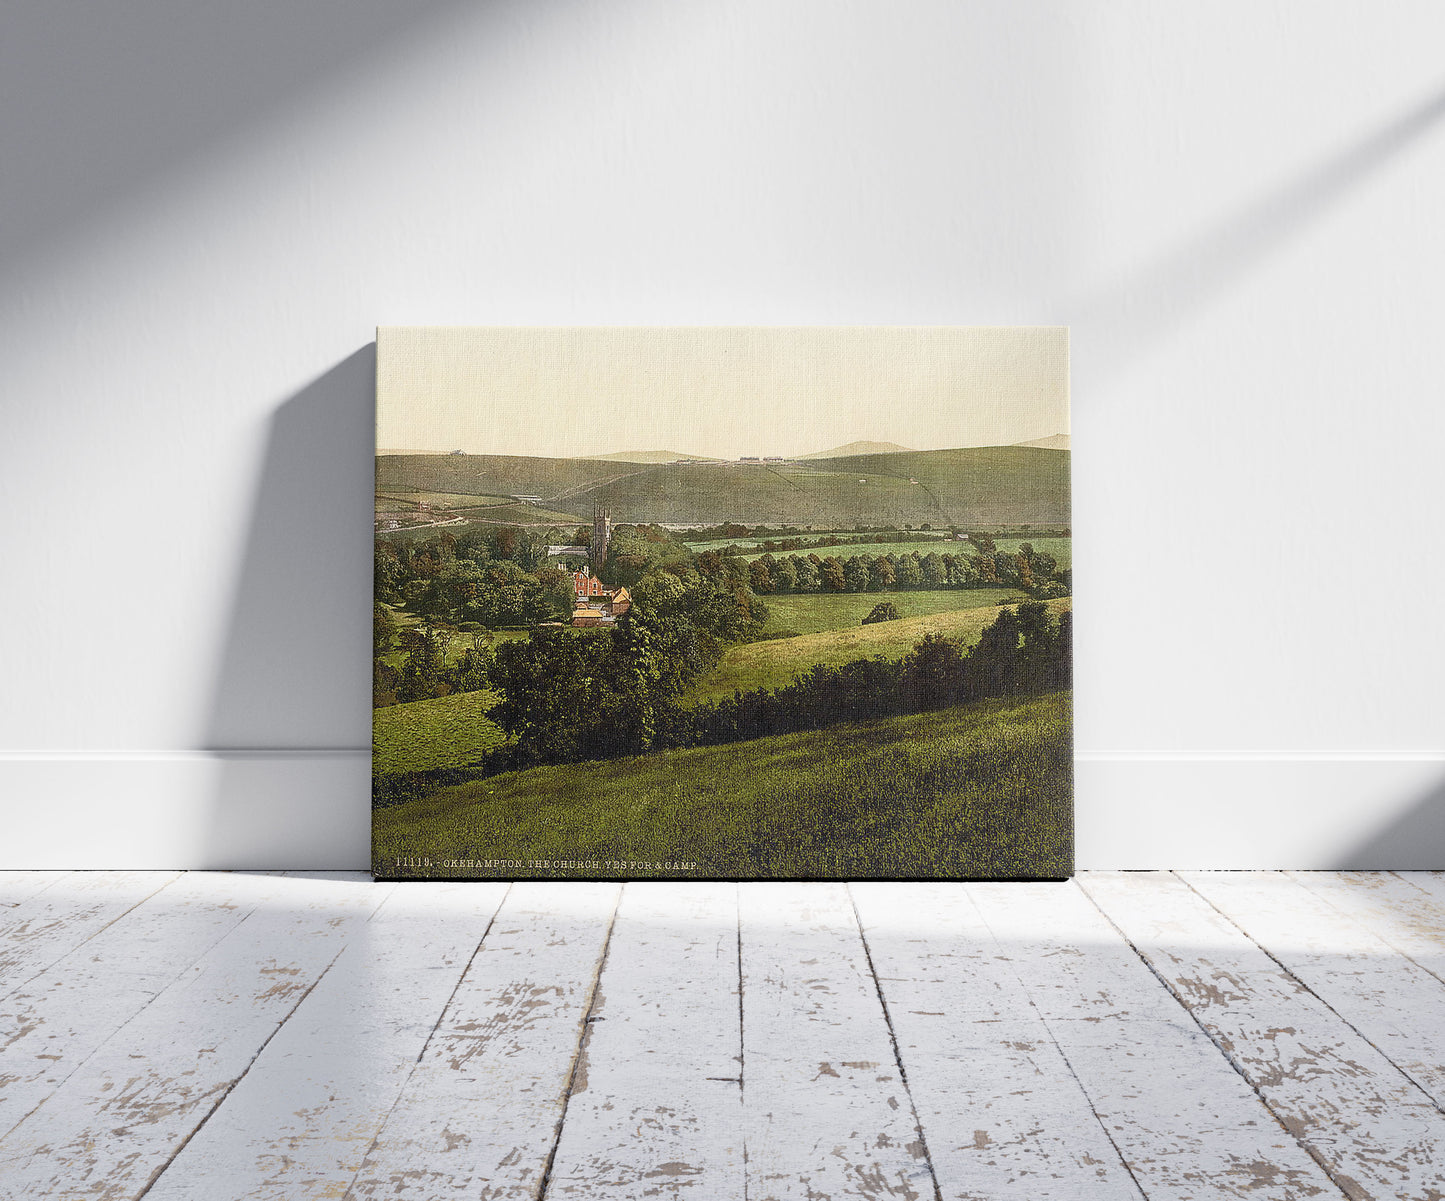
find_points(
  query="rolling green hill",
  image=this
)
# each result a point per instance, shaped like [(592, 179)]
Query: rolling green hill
[(979, 487), (982, 485), (856, 448), (974, 791), (491, 475), (645, 456), (775, 662)]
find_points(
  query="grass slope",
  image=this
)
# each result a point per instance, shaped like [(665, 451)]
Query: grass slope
[(490, 475), (814, 613), (982, 486), (775, 662), (646, 456), (983, 790), (943, 543), (451, 731), (857, 448), (978, 487)]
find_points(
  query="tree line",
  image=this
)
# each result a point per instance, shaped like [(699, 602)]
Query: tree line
[(1032, 571), (688, 615), (614, 693)]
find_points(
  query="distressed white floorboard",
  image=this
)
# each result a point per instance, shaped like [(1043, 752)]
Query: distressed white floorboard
[(122, 1115), (1002, 1115), (49, 924), (300, 1122), (51, 1024), (1378, 1134), (222, 1036), (17, 886), (479, 1116), (827, 1113), (1392, 1002), (656, 1106), (1403, 908), (1186, 1124)]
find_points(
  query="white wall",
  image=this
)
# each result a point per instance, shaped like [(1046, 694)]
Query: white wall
[(205, 208)]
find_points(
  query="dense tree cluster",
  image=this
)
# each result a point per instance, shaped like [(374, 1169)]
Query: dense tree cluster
[(593, 694), (636, 550), (613, 693), (481, 581), (428, 670), (492, 576)]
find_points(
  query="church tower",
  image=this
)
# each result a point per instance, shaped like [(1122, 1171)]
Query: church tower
[(601, 533)]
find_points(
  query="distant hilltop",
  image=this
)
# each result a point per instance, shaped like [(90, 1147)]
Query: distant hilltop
[(649, 456), (978, 488), (1052, 442), (859, 448)]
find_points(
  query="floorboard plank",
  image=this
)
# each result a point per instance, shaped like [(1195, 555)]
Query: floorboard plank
[(50, 1025), (46, 926), (299, 1124), (1376, 1132), (1392, 1002), (656, 1108), (826, 1111), (115, 1123), (479, 1115), (1186, 1124), (1001, 1113), (16, 887), (1402, 908)]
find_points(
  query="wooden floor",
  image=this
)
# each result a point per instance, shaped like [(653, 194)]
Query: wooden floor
[(1158, 1035)]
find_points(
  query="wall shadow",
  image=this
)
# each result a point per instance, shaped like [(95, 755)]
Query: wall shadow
[(1414, 842), (106, 100), (1127, 318), (293, 677)]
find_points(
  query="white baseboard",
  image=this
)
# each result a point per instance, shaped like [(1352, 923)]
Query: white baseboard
[(186, 809), (1364, 811), (309, 809)]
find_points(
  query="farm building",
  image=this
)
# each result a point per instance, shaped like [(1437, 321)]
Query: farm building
[(592, 594), (585, 584)]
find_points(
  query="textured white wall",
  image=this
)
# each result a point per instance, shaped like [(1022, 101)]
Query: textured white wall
[(206, 207)]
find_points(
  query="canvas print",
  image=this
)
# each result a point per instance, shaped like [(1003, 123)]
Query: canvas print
[(727, 603)]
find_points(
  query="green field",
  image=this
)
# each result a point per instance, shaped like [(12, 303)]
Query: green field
[(486, 518), (491, 475), (461, 643), (941, 543), (814, 612), (521, 515), (1061, 548), (451, 731), (445, 500), (977, 791), (774, 663)]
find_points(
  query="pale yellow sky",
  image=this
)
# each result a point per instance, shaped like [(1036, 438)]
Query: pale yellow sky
[(721, 392)]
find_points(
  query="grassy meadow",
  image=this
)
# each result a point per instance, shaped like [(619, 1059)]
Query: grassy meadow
[(815, 612), (460, 644), (983, 790), (450, 731), (774, 662)]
